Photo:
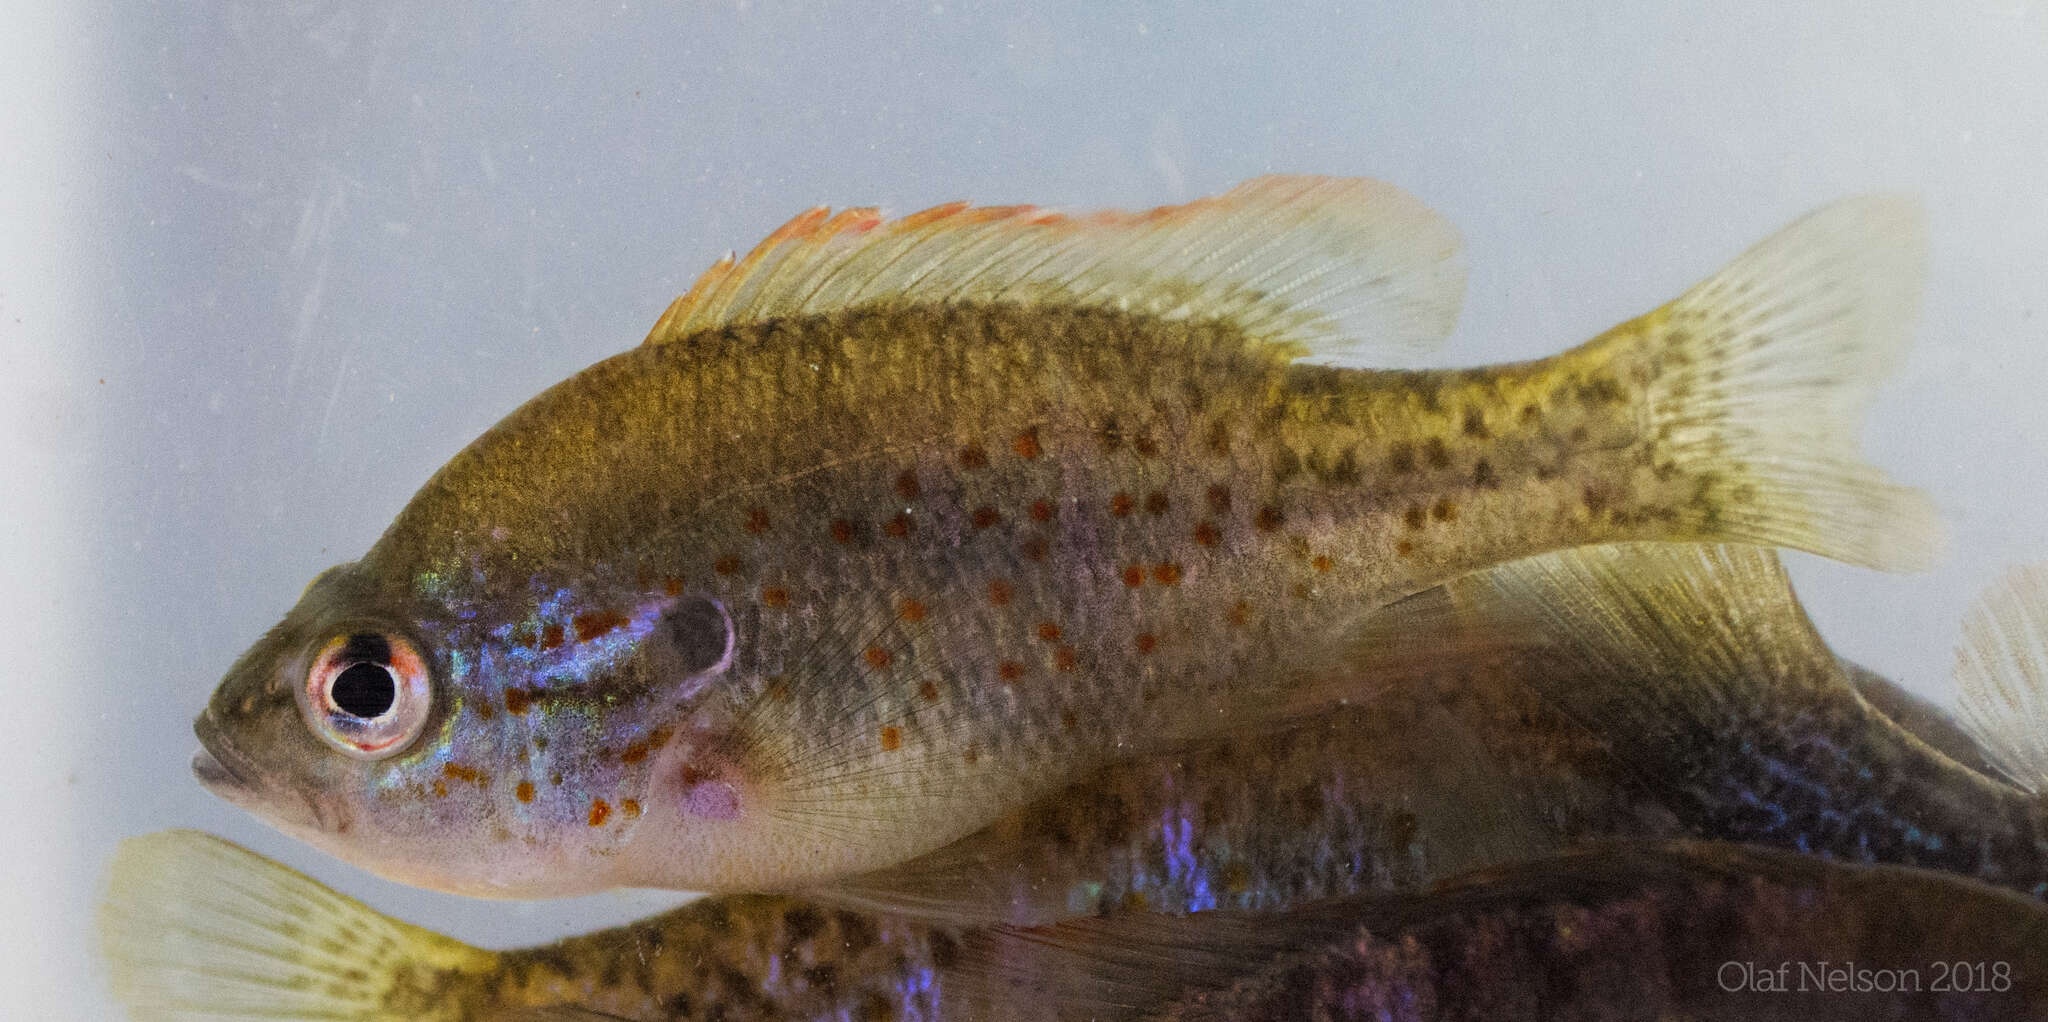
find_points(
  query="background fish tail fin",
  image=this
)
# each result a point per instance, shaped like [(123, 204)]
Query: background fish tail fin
[(195, 927), (2002, 672), (1759, 377)]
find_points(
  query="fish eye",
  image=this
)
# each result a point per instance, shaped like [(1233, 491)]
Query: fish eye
[(367, 694)]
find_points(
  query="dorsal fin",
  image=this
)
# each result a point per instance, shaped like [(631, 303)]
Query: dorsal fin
[(2002, 672), (1340, 267)]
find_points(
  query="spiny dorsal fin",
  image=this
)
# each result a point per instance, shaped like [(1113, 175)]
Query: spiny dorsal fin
[(1340, 267), (2002, 671)]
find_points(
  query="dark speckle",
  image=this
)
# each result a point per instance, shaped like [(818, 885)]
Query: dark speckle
[(1475, 424)]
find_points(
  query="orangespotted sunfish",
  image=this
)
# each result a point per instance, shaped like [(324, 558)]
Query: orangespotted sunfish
[(1643, 691), (197, 928), (893, 527), (1708, 683)]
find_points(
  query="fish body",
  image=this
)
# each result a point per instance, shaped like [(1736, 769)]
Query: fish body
[(1712, 688), (198, 928), (1696, 932), (892, 529), (1717, 712)]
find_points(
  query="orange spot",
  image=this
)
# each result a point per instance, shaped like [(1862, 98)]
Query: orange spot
[(727, 565), (929, 691), (524, 792), (1063, 659), (971, 755), (631, 807), (877, 657), (1413, 517), (1404, 548), (590, 626), (551, 637), (774, 596), (1166, 573), (1147, 642), (842, 531), (985, 516), (1445, 511), (906, 484), (1034, 548), (1146, 446), (1241, 614), (1121, 504), (1026, 444), (458, 772), (1156, 502), (484, 711), (898, 526), (517, 700), (440, 789), (638, 749), (1009, 670), (1219, 498), (910, 610), (757, 521), (1134, 575), (1322, 563), (892, 739), (672, 586), (999, 593), (972, 456), (600, 810), (1207, 534), (1269, 518), (1048, 631), (1041, 510)]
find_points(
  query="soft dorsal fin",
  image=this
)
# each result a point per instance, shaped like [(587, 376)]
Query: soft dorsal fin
[(1662, 621), (1340, 267), (2002, 672)]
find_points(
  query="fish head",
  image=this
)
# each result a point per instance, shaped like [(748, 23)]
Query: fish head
[(493, 748)]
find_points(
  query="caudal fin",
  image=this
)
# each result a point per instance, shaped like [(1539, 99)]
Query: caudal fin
[(1758, 379), (195, 927), (2002, 670)]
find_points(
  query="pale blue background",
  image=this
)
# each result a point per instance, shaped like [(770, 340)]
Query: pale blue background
[(268, 265)]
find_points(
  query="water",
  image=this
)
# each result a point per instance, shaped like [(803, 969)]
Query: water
[(268, 267)]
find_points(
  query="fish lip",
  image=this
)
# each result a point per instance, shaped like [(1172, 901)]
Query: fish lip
[(217, 766), (213, 773)]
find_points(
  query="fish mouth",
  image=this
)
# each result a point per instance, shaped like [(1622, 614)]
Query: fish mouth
[(219, 769), (213, 773)]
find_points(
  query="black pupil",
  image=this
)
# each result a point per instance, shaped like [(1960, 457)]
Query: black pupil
[(365, 690)]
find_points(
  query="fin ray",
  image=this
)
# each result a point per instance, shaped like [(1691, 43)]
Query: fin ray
[(2002, 672), (1763, 373), (196, 927)]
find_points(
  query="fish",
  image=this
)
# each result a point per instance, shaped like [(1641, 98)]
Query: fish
[(1664, 692), (1685, 931), (894, 526), (1711, 685), (197, 927)]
